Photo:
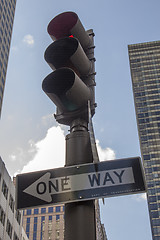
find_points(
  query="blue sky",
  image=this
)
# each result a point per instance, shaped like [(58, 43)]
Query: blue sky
[(31, 139)]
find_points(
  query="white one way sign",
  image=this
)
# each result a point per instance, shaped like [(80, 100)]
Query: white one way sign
[(81, 182), (46, 186)]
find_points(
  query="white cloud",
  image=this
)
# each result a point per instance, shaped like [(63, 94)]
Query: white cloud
[(49, 152), (20, 155), (105, 154), (29, 40)]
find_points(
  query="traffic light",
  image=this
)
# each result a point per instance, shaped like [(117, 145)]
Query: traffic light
[(71, 86), (71, 56)]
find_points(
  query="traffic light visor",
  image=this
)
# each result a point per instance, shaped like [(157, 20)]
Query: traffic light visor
[(68, 24), (67, 52), (60, 51), (61, 25), (66, 89)]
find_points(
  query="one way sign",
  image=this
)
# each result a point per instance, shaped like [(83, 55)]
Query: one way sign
[(80, 182)]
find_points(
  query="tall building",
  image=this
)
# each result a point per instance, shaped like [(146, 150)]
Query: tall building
[(10, 218), (47, 222), (145, 73), (7, 10)]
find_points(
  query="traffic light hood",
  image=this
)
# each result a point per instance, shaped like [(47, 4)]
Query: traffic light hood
[(67, 52), (66, 89), (68, 24)]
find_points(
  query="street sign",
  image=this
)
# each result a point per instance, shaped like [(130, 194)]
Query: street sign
[(80, 182)]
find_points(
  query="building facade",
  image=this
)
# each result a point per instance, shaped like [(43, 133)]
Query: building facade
[(10, 218), (7, 10), (47, 222), (145, 73)]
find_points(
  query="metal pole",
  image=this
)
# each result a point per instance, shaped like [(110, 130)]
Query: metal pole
[(80, 221)]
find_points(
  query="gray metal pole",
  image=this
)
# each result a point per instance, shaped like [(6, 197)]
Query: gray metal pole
[(80, 221)]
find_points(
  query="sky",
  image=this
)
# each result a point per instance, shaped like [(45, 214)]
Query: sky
[(31, 139)]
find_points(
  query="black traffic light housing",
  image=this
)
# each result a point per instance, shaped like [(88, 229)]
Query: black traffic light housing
[(71, 85)]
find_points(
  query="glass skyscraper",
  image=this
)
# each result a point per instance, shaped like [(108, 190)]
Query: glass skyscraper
[(7, 10), (145, 73)]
